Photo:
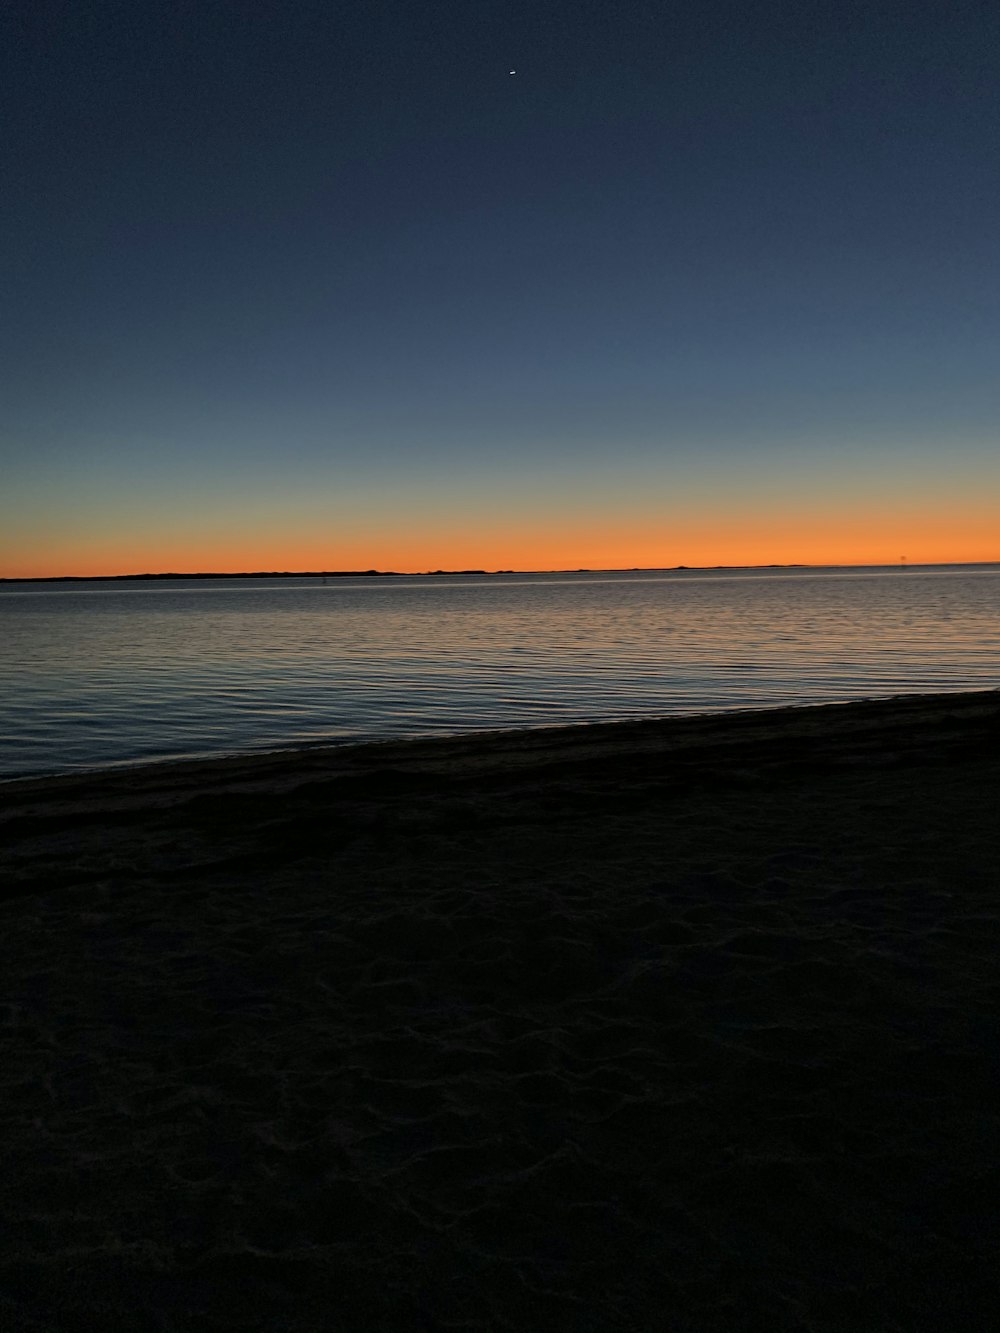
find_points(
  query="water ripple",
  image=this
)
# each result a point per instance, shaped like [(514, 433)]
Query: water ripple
[(98, 673)]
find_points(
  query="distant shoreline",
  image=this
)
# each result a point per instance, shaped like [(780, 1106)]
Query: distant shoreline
[(452, 573), (369, 573)]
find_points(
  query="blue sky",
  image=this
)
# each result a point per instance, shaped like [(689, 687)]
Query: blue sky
[(277, 265)]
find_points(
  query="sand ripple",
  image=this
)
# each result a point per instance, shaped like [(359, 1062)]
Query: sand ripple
[(633, 1042)]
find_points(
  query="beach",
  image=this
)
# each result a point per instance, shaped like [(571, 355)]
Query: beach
[(682, 1024)]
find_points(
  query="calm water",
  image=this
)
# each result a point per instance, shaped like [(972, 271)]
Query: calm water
[(99, 673)]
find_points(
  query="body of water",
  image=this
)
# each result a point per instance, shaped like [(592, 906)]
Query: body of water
[(105, 673)]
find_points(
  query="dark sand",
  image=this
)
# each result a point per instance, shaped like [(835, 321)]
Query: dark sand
[(681, 1025)]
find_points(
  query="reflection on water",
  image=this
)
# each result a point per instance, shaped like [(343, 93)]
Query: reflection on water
[(101, 673)]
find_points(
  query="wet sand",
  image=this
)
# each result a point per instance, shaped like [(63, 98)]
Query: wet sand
[(674, 1025)]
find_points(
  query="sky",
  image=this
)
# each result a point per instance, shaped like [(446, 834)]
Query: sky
[(533, 285)]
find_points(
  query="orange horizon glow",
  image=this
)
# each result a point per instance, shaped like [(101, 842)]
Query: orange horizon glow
[(734, 541)]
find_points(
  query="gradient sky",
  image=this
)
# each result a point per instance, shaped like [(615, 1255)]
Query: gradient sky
[(322, 285)]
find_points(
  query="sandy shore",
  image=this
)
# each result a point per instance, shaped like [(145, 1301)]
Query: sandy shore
[(679, 1025)]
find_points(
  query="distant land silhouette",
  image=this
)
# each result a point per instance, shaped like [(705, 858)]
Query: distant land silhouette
[(452, 573), (384, 573)]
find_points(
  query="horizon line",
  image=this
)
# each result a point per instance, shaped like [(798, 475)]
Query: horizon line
[(486, 573)]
